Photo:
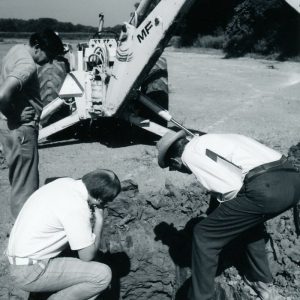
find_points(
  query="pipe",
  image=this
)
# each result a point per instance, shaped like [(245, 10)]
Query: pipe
[(101, 22), (163, 113), (51, 107)]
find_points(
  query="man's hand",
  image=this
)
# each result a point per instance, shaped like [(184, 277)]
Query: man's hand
[(88, 253), (27, 114)]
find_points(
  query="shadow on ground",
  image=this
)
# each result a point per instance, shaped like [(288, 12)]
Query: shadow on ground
[(180, 250), (110, 132)]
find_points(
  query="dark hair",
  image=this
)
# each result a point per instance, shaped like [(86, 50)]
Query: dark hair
[(102, 184), (48, 41), (176, 149)]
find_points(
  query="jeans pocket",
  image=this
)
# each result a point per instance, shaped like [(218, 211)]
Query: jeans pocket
[(26, 134), (24, 275), (27, 141), (22, 135)]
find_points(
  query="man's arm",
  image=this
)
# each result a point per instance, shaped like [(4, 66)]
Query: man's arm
[(7, 90), (89, 253), (10, 86)]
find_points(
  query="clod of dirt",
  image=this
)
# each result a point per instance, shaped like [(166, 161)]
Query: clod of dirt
[(3, 164)]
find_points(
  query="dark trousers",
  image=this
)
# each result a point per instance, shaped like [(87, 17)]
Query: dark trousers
[(20, 148), (260, 199)]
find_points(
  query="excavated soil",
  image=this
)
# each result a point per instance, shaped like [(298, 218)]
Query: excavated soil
[(147, 233)]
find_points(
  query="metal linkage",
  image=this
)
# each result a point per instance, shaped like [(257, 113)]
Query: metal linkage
[(163, 113)]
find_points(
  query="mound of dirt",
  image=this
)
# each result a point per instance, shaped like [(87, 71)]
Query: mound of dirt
[(148, 238), (147, 242)]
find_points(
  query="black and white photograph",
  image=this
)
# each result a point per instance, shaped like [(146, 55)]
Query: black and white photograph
[(150, 150)]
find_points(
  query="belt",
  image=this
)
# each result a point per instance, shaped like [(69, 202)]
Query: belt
[(25, 261), (282, 164)]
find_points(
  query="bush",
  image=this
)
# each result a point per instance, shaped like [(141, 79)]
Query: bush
[(263, 27), (175, 41), (210, 41)]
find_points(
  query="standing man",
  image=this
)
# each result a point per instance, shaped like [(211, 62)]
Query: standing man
[(252, 182), (56, 215), (21, 107)]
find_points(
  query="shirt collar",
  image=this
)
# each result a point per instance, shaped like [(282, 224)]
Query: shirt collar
[(81, 188)]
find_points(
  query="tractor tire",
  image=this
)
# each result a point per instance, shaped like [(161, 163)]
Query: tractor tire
[(51, 77), (155, 86)]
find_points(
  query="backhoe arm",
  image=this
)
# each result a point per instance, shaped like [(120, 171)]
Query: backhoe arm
[(139, 49)]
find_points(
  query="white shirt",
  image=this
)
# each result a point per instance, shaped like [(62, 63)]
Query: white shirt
[(219, 177), (53, 216)]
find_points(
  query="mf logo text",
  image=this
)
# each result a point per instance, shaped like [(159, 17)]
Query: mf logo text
[(145, 31)]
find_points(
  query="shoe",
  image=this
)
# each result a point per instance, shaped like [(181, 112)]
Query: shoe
[(265, 291)]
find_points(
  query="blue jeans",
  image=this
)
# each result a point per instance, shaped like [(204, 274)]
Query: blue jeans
[(260, 199), (71, 278), (20, 146)]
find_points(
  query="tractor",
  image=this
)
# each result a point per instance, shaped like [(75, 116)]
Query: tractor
[(114, 76)]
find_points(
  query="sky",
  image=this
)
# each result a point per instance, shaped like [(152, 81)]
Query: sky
[(83, 12)]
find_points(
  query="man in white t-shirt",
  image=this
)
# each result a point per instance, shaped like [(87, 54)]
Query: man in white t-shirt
[(252, 182), (55, 216)]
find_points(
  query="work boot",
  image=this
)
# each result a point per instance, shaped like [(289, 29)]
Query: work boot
[(265, 291)]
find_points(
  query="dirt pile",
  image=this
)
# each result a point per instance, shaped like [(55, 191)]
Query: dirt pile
[(152, 232), (148, 238), (147, 243)]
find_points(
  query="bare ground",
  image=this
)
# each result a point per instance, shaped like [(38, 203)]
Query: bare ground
[(257, 98)]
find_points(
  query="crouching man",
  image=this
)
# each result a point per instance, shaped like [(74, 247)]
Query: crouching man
[(252, 182), (58, 214)]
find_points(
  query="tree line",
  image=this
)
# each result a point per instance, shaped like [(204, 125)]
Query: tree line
[(33, 25), (243, 26), (249, 26), (236, 26)]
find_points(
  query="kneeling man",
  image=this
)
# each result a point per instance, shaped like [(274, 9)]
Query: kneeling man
[(55, 216)]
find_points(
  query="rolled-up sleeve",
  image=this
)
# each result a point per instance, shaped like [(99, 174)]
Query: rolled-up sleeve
[(23, 70)]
